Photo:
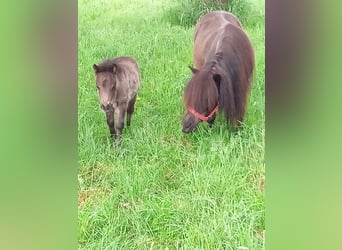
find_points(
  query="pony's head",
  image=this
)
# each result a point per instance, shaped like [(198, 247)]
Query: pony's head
[(105, 74), (201, 96)]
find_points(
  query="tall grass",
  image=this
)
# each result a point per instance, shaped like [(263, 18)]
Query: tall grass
[(186, 13), (163, 189)]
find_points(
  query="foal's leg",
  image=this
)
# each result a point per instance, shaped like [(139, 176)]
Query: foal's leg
[(130, 110), (120, 122), (110, 122)]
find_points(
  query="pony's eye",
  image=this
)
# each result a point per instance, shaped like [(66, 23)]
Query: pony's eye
[(97, 87)]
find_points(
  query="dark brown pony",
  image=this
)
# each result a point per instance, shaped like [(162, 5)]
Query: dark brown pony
[(117, 81), (223, 67)]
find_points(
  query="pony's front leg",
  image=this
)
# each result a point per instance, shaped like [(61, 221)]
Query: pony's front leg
[(110, 122), (120, 123), (130, 110)]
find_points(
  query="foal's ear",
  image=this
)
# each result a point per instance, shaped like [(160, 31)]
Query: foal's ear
[(115, 68), (96, 68), (217, 79), (194, 70)]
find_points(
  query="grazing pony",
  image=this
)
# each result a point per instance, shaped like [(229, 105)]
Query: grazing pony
[(223, 67), (117, 81)]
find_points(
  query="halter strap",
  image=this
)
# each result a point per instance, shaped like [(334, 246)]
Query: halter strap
[(202, 117)]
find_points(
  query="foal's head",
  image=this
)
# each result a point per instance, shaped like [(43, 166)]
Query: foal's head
[(200, 98), (105, 83)]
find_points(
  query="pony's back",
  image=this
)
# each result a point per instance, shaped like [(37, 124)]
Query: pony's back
[(128, 72), (207, 27)]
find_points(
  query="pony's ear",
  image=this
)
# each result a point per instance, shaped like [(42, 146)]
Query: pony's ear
[(96, 68), (217, 79), (194, 70), (115, 68)]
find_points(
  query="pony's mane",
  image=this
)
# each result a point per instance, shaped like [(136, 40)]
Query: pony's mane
[(201, 92), (235, 65), (227, 92)]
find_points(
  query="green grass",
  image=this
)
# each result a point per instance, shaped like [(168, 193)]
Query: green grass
[(163, 189)]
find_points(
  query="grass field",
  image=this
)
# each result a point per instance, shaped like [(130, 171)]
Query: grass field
[(163, 189)]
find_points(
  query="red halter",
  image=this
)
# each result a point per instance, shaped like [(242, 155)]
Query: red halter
[(202, 117)]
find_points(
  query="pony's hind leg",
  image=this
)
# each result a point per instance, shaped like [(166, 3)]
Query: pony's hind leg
[(110, 123), (130, 110)]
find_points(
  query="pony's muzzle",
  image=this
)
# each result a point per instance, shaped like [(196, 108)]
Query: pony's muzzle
[(107, 107), (189, 127), (190, 123), (186, 130)]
